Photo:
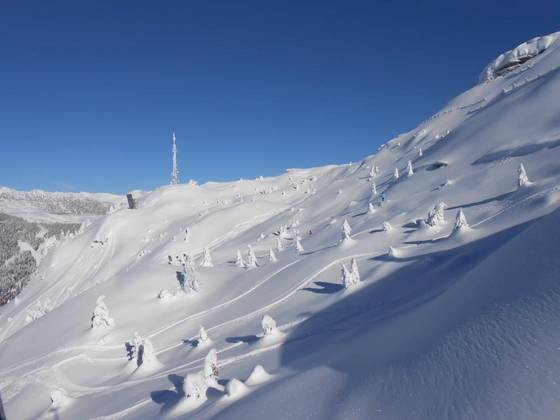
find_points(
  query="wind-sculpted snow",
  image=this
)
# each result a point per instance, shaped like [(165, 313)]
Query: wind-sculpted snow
[(343, 292)]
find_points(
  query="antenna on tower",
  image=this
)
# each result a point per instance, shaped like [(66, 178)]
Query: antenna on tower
[(175, 170)]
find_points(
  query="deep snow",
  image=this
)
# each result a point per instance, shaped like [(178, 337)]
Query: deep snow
[(442, 323)]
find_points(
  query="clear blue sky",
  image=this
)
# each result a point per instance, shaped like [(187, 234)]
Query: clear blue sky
[(90, 91)]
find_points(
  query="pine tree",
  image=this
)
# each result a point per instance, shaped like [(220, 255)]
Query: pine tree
[(371, 208), (347, 278), (251, 257), (191, 283), (354, 270), (206, 258), (387, 227), (436, 215), (239, 260), (392, 252), (101, 318), (461, 224), (210, 372), (187, 235), (268, 325), (202, 335), (373, 188), (409, 170), (522, 178), (372, 172), (272, 256), (279, 244), (299, 246), (346, 230), (420, 153), (396, 173)]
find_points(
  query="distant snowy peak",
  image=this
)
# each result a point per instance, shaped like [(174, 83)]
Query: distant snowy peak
[(512, 59), (38, 205)]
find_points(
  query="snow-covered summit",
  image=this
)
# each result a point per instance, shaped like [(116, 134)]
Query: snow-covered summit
[(410, 296)]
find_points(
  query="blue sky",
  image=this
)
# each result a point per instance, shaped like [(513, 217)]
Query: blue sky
[(91, 91)]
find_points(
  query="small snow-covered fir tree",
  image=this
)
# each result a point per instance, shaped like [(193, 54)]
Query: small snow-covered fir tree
[(279, 244), (101, 318), (371, 208), (272, 256), (345, 231), (299, 246), (187, 235), (206, 258), (396, 173), (409, 170), (202, 336), (436, 216), (372, 172), (461, 224), (239, 260), (210, 372), (195, 387), (141, 350), (387, 227), (354, 270), (348, 279), (522, 178), (268, 325), (420, 153), (191, 283), (392, 252), (373, 188), (251, 257)]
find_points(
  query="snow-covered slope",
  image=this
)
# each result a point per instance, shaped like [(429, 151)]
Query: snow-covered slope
[(442, 323)]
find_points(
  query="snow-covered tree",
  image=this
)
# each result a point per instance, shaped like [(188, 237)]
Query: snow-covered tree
[(436, 215), (191, 283), (371, 208), (141, 350), (268, 325), (354, 270), (373, 188), (345, 231), (279, 244), (392, 252), (522, 178), (272, 256), (210, 372), (461, 224), (387, 227), (299, 246), (372, 172), (202, 335), (239, 260), (187, 235), (348, 279), (195, 386), (206, 258), (252, 261), (101, 318), (409, 169), (58, 399), (396, 173), (420, 152)]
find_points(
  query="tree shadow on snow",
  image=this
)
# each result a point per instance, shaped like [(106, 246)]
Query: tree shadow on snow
[(500, 197), (248, 339), (168, 398), (325, 287)]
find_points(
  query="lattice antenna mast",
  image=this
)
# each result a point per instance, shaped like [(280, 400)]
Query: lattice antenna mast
[(175, 171)]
